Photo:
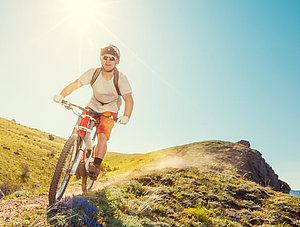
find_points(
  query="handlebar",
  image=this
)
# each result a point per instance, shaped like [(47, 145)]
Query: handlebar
[(70, 106)]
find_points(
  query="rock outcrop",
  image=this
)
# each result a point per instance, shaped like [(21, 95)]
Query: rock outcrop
[(255, 168), (244, 142), (227, 156)]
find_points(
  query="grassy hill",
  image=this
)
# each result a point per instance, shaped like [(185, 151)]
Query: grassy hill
[(198, 184), (28, 158), (221, 156), (182, 197)]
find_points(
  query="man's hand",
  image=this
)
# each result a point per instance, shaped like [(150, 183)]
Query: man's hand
[(123, 120), (58, 98)]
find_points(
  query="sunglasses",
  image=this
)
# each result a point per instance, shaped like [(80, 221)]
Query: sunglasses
[(110, 58)]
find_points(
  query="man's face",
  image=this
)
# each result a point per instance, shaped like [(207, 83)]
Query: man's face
[(109, 62)]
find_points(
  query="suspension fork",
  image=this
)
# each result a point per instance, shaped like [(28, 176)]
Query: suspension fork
[(90, 157), (86, 139)]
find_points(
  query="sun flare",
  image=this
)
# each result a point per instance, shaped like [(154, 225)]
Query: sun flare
[(81, 13)]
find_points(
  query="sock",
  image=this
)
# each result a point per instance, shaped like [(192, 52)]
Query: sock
[(97, 162)]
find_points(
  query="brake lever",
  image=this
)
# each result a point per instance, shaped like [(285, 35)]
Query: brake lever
[(68, 107), (115, 119)]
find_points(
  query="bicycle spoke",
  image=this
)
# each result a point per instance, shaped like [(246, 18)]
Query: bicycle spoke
[(62, 174)]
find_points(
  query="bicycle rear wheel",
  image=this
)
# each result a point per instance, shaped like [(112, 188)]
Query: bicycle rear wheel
[(86, 182), (64, 165)]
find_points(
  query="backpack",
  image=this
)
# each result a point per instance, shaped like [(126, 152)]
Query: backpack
[(116, 80)]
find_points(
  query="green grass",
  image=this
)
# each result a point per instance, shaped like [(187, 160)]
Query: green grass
[(121, 163), (191, 197), (204, 154), (186, 197), (209, 194), (28, 158)]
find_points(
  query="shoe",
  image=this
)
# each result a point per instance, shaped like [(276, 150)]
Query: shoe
[(94, 172)]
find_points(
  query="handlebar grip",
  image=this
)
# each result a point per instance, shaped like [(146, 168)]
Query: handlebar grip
[(69, 105)]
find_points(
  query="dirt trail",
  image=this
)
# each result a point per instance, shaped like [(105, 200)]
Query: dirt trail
[(12, 210)]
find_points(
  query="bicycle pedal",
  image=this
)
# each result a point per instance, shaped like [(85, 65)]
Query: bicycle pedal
[(92, 176)]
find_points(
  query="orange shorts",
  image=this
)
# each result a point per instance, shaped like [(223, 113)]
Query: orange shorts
[(105, 126)]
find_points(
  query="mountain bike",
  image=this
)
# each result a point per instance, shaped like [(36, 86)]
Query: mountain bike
[(77, 154)]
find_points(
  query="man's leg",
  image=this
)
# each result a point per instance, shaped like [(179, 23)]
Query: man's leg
[(103, 134), (101, 147), (100, 151)]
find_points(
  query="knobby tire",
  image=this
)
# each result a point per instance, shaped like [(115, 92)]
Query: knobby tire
[(59, 168), (86, 184)]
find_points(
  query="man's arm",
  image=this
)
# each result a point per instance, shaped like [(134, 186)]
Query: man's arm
[(71, 87), (128, 104)]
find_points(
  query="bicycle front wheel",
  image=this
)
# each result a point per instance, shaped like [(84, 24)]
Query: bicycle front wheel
[(63, 168)]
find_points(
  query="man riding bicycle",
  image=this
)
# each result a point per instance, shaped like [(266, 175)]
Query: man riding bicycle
[(108, 86)]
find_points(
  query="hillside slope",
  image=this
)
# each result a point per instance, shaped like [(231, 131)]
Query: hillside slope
[(28, 158), (206, 183), (182, 197), (222, 156)]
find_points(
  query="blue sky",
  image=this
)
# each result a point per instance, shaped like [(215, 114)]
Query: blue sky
[(200, 70)]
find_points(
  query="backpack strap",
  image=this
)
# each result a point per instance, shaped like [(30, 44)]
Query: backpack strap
[(95, 76), (116, 80)]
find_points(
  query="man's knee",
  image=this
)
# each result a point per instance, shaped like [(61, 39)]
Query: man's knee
[(102, 138)]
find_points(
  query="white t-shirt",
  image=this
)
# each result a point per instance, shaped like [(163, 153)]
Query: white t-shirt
[(105, 91)]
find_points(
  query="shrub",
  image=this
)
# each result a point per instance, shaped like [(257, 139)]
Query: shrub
[(200, 214), (73, 211), (9, 187), (105, 167), (25, 172)]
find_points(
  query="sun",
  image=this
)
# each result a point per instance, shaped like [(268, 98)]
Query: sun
[(81, 13), (82, 17)]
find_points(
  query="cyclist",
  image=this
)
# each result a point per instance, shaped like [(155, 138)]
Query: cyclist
[(106, 99)]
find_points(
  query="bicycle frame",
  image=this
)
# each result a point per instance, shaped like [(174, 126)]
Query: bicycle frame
[(85, 141)]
